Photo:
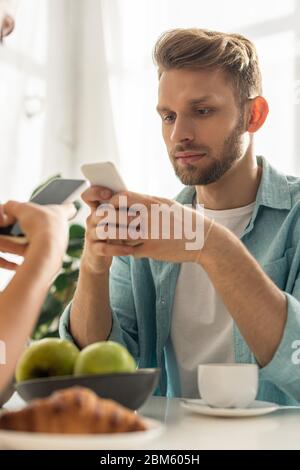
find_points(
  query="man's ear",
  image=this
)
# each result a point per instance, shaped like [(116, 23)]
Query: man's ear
[(258, 112)]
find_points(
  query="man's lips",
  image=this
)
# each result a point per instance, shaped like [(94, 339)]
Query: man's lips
[(188, 157)]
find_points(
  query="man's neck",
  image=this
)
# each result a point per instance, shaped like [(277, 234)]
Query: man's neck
[(237, 187)]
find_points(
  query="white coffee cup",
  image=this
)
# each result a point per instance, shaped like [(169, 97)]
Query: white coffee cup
[(228, 385)]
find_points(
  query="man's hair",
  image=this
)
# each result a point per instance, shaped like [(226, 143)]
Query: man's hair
[(203, 49)]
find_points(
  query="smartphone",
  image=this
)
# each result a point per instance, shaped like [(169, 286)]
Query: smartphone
[(57, 191), (104, 174)]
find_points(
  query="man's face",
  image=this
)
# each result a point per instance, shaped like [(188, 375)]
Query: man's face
[(202, 125)]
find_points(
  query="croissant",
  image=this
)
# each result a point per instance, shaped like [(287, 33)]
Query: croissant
[(74, 410)]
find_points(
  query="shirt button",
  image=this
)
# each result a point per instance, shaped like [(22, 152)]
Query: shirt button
[(163, 301)]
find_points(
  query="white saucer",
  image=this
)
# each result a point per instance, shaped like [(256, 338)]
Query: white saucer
[(257, 408)]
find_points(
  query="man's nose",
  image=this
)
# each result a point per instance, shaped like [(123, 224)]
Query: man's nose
[(183, 130)]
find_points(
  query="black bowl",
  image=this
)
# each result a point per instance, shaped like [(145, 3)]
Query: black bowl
[(6, 394), (129, 389)]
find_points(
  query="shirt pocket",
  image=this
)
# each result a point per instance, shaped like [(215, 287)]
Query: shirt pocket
[(278, 270)]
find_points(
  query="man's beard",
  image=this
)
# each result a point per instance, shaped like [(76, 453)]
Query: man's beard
[(191, 175)]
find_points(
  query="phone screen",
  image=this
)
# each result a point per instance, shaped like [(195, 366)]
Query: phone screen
[(56, 192)]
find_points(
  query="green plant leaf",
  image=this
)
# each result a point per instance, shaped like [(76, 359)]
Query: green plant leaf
[(75, 253), (51, 334), (73, 276), (44, 332), (75, 248), (76, 232), (63, 287), (76, 243), (50, 310), (61, 282), (67, 265)]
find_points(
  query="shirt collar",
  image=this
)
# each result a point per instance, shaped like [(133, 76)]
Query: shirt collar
[(273, 190)]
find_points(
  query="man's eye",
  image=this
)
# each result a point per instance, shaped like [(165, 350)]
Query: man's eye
[(168, 118), (204, 111)]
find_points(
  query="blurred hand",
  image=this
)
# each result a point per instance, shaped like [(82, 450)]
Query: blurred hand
[(45, 227)]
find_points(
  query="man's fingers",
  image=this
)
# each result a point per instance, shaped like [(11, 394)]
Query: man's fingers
[(108, 249), (120, 233), (129, 241), (117, 217), (95, 194), (130, 198), (125, 242)]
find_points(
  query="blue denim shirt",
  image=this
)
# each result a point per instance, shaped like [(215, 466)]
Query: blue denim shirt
[(142, 292)]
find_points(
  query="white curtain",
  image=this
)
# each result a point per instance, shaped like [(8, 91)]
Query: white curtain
[(55, 109), (22, 94), (79, 125), (54, 94)]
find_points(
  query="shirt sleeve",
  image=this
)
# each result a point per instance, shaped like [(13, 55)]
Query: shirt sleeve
[(124, 326), (64, 331), (124, 323), (284, 368)]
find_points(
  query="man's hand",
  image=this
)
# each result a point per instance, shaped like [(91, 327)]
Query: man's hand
[(167, 230), (97, 254)]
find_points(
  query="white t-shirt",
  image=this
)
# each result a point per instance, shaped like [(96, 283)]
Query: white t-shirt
[(201, 327)]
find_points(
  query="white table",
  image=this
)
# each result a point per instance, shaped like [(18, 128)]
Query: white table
[(185, 430)]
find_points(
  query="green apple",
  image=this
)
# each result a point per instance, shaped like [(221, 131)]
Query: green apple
[(46, 358), (104, 357)]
